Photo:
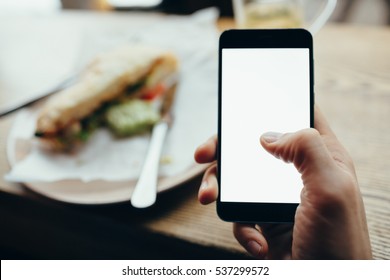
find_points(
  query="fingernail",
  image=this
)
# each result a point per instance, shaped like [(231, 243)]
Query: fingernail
[(204, 185), (253, 248), (271, 137)]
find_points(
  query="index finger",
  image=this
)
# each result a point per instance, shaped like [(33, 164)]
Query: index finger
[(330, 139), (207, 152), (321, 124)]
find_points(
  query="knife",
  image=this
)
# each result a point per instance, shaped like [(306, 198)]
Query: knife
[(145, 192)]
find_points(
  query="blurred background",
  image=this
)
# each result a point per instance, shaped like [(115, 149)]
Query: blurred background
[(370, 12), (43, 42)]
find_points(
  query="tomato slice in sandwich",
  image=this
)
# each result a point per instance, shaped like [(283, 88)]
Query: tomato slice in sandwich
[(154, 92)]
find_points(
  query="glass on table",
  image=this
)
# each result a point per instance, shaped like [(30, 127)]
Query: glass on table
[(281, 13)]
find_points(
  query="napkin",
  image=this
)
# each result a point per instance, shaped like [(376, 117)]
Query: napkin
[(194, 40)]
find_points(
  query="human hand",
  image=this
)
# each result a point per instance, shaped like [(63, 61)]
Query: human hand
[(330, 221)]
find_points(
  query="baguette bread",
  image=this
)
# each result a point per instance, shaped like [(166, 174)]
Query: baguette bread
[(105, 79)]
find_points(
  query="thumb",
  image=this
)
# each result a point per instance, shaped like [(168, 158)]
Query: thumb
[(305, 148)]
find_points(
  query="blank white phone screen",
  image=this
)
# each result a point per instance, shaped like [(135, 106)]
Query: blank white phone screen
[(262, 90)]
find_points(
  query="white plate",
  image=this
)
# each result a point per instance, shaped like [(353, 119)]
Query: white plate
[(95, 192), (196, 102)]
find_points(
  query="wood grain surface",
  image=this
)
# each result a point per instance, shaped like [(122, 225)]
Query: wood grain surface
[(353, 90), (352, 74)]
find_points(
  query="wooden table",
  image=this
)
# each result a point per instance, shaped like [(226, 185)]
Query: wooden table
[(352, 73)]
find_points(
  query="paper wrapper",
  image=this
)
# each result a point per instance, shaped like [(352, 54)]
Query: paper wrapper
[(194, 40)]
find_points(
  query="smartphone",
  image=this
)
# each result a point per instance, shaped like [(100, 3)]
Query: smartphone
[(265, 84)]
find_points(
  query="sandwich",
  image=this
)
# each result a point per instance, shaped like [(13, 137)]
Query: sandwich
[(117, 90)]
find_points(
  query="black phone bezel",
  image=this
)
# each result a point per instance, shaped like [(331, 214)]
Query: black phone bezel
[(260, 38)]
